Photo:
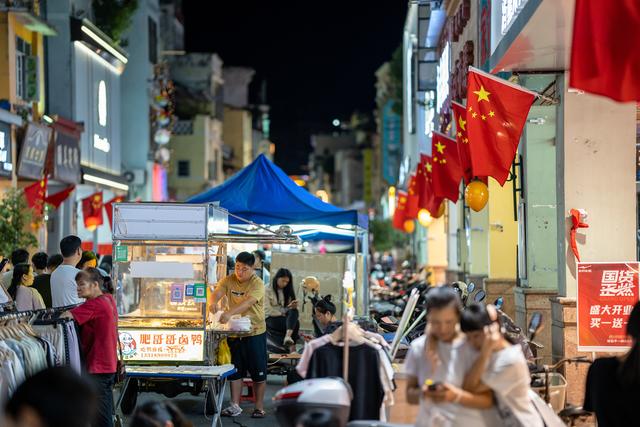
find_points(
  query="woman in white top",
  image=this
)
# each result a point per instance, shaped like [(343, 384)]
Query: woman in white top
[(25, 297), (501, 368)]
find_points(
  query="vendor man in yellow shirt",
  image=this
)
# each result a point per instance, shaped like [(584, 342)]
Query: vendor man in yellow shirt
[(245, 292)]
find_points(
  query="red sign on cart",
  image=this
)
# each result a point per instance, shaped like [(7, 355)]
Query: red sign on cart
[(607, 293)]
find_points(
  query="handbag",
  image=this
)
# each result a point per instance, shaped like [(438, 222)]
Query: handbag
[(120, 368)]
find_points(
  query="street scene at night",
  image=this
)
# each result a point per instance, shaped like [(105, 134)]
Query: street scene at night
[(350, 213)]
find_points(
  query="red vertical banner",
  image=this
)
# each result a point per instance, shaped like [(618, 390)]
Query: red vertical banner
[(607, 292), (108, 208)]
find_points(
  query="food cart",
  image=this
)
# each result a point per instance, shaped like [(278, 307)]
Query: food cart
[(167, 259)]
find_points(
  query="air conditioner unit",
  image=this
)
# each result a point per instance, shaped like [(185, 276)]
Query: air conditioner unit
[(136, 176)]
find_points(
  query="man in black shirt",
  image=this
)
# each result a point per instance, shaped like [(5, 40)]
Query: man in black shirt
[(42, 282)]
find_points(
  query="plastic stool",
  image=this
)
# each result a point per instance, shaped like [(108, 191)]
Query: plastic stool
[(250, 396)]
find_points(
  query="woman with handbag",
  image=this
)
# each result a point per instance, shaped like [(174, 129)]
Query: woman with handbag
[(98, 319)]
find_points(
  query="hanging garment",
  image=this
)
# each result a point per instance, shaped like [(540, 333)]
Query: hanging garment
[(368, 391)]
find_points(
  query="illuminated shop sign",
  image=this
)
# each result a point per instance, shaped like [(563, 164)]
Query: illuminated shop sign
[(510, 11), (429, 112), (99, 142), (442, 78), (6, 167), (162, 345)]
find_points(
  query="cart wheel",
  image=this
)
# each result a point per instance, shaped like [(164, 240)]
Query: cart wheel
[(130, 398), (209, 406)]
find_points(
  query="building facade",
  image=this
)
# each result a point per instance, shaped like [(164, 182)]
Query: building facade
[(576, 152), (87, 70)]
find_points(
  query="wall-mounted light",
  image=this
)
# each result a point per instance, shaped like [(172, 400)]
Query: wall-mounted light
[(104, 181), (104, 44)]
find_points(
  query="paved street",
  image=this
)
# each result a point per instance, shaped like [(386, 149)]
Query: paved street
[(193, 407)]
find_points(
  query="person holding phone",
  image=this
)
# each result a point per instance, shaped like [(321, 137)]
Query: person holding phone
[(435, 369), (282, 309)]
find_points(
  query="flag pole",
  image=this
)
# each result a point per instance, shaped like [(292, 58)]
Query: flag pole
[(513, 85)]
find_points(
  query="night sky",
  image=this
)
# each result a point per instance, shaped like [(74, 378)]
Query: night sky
[(318, 57)]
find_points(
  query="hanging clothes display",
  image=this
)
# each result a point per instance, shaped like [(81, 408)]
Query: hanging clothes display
[(31, 341), (63, 336), (323, 357)]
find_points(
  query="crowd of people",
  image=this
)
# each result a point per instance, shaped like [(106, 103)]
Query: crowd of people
[(71, 282), (463, 371)]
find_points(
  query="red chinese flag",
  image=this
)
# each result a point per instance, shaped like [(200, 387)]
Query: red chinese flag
[(496, 114), (428, 200), (603, 58), (460, 117), (399, 216), (92, 211), (35, 194), (413, 198), (56, 200), (108, 207), (446, 170)]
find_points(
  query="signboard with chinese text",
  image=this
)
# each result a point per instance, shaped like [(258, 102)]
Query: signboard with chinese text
[(33, 153), (607, 293), (6, 165), (157, 345), (66, 166)]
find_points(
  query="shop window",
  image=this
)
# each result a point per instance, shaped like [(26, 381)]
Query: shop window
[(153, 41), (213, 167), (184, 168), (23, 53)]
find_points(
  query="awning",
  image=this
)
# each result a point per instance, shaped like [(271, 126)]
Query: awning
[(539, 39), (34, 23)]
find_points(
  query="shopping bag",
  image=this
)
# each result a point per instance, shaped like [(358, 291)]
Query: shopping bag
[(224, 353)]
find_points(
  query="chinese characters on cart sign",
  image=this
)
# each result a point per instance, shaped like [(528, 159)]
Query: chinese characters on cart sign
[(607, 293), (162, 345)]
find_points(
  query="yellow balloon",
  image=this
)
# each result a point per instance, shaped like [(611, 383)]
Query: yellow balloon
[(424, 218), (476, 195), (409, 226), (440, 211)]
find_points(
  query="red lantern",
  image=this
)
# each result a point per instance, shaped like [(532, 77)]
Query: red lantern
[(92, 211)]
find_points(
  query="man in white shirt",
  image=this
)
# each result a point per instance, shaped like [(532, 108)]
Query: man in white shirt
[(436, 359), (64, 291)]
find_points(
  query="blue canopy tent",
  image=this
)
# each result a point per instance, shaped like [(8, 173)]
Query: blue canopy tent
[(263, 194)]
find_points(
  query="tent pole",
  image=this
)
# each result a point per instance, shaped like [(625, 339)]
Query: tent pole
[(355, 250), (365, 272)]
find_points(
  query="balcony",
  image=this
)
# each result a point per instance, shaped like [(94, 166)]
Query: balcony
[(27, 13)]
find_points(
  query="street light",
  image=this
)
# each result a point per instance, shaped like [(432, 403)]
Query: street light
[(336, 122)]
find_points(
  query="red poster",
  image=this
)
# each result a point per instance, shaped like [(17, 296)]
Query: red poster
[(607, 292)]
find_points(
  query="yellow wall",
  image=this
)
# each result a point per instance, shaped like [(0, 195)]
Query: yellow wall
[(437, 249), (437, 243), (9, 29), (192, 148), (503, 232), (238, 135)]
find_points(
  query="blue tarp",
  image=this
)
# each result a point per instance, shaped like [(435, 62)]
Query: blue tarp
[(261, 192)]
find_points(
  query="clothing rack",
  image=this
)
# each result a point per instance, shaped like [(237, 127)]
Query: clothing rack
[(345, 351), (30, 313)]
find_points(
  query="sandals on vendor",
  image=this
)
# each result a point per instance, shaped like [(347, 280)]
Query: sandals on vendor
[(232, 410), (258, 413)]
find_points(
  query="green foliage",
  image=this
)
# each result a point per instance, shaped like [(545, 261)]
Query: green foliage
[(113, 17), (15, 223), (396, 71), (385, 237)]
